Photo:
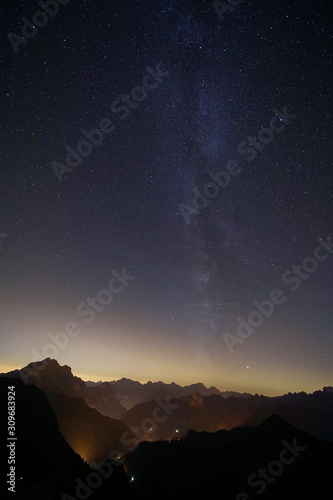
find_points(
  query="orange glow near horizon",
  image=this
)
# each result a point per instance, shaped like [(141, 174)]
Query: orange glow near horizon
[(101, 354), (7, 368), (225, 376)]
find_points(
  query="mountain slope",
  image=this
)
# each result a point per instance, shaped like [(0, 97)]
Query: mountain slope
[(46, 467), (318, 423), (312, 413), (227, 465), (89, 433), (210, 413)]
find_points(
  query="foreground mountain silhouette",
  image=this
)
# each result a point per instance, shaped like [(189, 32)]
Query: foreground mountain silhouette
[(45, 465), (316, 422), (241, 464)]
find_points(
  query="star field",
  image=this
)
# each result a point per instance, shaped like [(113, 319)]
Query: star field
[(121, 206)]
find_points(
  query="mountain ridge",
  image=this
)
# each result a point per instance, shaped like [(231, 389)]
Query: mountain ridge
[(50, 376), (196, 411), (131, 392), (228, 464)]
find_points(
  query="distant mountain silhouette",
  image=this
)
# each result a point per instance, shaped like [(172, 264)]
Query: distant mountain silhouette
[(197, 412), (89, 383), (89, 433), (46, 466), (319, 400), (227, 464), (203, 410), (49, 376), (312, 413), (129, 392)]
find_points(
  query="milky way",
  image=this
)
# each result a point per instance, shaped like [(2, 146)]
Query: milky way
[(209, 184)]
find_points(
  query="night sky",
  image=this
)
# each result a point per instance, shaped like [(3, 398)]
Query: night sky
[(183, 93)]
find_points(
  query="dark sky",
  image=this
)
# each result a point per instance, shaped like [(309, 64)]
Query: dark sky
[(184, 93)]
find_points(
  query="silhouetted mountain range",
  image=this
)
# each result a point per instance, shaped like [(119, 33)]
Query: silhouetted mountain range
[(320, 400), (45, 465), (190, 463), (196, 412), (49, 376), (129, 392), (84, 413), (273, 461), (312, 413)]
